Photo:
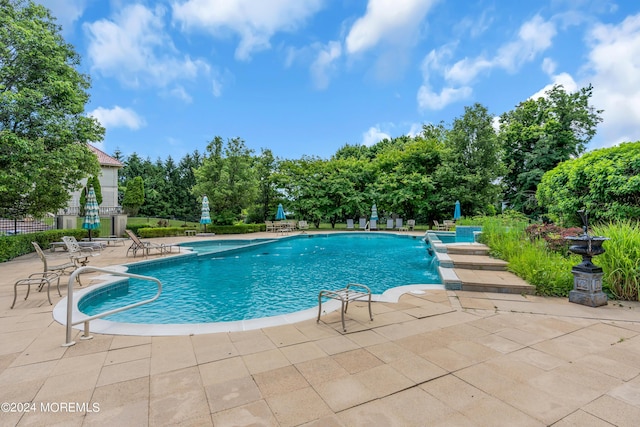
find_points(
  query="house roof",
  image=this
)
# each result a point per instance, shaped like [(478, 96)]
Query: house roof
[(105, 159)]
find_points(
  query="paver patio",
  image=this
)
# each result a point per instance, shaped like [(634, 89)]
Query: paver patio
[(442, 358)]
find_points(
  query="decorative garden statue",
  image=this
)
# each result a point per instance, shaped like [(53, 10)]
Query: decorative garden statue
[(587, 277)]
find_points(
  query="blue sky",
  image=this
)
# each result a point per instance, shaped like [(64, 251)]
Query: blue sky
[(306, 77)]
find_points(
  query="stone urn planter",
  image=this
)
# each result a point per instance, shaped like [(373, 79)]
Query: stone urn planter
[(587, 277)]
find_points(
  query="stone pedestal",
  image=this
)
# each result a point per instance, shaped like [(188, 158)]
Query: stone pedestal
[(587, 287)]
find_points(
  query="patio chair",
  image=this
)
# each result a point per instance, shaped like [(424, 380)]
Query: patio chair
[(373, 224), (39, 279), (449, 224), (350, 224), (390, 224), (57, 268), (303, 225), (398, 223), (411, 224), (362, 223), (439, 226), (146, 247)]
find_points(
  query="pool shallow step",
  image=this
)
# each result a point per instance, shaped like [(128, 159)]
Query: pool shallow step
[(477, 262), (468, 250)]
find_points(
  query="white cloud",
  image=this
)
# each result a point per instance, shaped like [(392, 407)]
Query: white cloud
[(534, 37), (373, 136), (614, 67), (324, 64), (134, 48), (180, 93), (388, 21), (118, 117), (564, 79), (255, 22)]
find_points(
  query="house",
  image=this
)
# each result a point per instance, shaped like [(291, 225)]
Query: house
[(108, 178)]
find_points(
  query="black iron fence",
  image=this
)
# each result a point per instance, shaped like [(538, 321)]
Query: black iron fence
[(9, 227)]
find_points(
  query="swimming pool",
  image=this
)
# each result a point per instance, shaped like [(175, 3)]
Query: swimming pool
[(264, 278)]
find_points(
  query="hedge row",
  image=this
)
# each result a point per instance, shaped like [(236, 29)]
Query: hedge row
[(20, 244), (147, 232)]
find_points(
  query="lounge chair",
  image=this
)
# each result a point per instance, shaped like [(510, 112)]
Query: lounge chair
[(362, 223), (411, 224), (147, 247), (79, 255), (373, 224), (350, 224), (39, 279), (398, 223), (390, 224)]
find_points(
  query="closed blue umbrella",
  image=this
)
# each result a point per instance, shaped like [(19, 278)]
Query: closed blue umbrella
[(91, 212), (204, 216), (456, 211), (280, 213)]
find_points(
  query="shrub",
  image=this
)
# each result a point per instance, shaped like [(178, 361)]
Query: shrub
[(553, 236), (621, 260), (20, 244)]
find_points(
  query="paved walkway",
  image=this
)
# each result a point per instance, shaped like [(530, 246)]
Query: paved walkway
[(438, 358)]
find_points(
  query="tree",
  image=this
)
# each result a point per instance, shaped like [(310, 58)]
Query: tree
[(43, 129), (267, 194), (227, 178), (133, 196), (470, 164), (606, 182), (538, 135)]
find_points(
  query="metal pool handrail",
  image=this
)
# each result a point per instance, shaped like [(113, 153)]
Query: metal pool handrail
[(86, 320)]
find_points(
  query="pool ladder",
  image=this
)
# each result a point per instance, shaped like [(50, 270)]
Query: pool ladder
[(86, 335)]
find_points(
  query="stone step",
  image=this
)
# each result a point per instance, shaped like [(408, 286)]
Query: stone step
[(477, 262), (493, 281), (468, 250)]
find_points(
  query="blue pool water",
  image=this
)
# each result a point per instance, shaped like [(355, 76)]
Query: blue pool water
[(228, 281)]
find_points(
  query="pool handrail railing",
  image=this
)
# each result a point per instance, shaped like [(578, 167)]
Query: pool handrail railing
[(86, 320)]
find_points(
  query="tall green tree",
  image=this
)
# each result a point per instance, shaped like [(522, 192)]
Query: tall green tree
[(227, 178), (538, 135), (267, 192), (133, 196), (43, 128), (470, 164)]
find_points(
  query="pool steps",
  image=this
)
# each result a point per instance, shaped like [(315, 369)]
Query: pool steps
[(468, 267)]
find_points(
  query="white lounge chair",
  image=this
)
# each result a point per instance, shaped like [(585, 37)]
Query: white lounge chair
[(362, 223), (390, 224), (350, 224), (398, 223)]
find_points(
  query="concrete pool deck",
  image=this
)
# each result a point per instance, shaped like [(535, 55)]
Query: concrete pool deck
[(434, 358)]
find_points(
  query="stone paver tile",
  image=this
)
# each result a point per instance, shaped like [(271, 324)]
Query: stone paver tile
[(452, 391), (601, 363), (317, 371), (581, 418), (177, 397), (177, 353), (498, 343), (249, 342), (345, 392), (232, 393), (489, 411), (486, 377), (223, 370), (383, 380), (570, 347), (417, 369), (124, 371), (285, 335), (279, 381), (212, 347), (586, 376), (256, 414), (298, 353), (389, 351), (265, 361), (537, 403), (329, 421), (98, 344), (520, 336), (537, 358), (474, 351), (514, 368), (628, 392), (315, 331), (615, 411), (357, 360), (122, 403), (45, 347), (16, 341), (336, 344), (621, 330), (415, 407), (627, 352), (367, 338), (477, 303), (127, 354), (67, 383), (49, 412), (447, 359), (122, 341), (298, 407), (604, 338), (418, 344), (19, 374)]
